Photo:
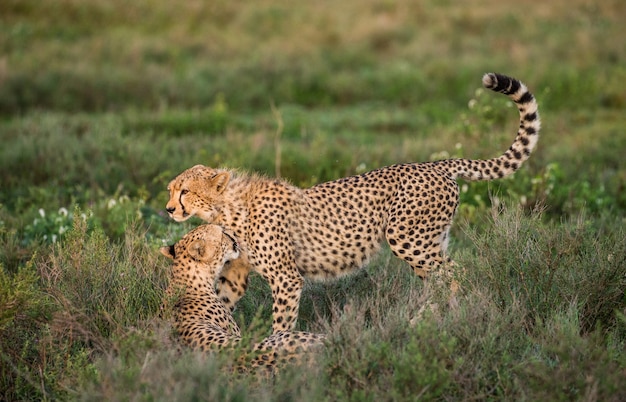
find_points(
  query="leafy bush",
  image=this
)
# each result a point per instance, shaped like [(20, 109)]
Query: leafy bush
[(70, 304), (547, 268), (566, 365), (109, 285), (24, 311)]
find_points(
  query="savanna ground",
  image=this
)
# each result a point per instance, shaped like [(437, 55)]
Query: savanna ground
[(103, 102)]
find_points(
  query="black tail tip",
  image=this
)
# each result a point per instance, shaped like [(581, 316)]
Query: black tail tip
[(501, 83)]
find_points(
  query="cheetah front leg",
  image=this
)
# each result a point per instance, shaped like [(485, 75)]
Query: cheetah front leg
[(233, 282), (286, 291)]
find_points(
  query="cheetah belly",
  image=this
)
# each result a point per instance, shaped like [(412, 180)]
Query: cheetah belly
[(330, 244)]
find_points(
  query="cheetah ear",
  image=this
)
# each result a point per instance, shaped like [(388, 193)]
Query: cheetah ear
[(220, 181), (168, 251), (197, 250)]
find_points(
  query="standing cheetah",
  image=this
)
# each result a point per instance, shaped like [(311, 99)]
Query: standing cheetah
[(200, 317), (334, 228)]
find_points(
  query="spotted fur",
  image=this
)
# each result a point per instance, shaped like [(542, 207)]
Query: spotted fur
[(334, 228), (202, 321)]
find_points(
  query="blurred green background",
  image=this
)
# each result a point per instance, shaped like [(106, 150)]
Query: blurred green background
[(102, 102)]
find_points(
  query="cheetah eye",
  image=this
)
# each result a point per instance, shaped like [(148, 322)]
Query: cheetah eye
[(184, 191)]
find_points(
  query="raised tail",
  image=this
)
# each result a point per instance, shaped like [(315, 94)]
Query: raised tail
[(523, 145)]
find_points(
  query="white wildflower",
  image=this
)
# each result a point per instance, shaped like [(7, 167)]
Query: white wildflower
[(111, 203), (548, 189), (42, 213), (63, 211)]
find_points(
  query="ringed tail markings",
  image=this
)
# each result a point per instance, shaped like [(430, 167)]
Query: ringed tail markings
[(523, 145)]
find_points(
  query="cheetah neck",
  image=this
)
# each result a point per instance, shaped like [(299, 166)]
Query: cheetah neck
[(234, 210), (204, 304), (196, 278), (194, 289)]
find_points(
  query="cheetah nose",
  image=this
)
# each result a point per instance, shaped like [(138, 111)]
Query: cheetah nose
[(170, 210)]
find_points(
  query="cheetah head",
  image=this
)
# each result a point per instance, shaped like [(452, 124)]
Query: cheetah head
[(206, 248), (197, 191)]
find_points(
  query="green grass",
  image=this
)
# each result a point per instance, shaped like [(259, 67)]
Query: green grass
[(541, 317), (103, 102)]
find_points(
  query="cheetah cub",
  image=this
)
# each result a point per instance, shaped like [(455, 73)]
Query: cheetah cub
[(334, 228), (201, 319)]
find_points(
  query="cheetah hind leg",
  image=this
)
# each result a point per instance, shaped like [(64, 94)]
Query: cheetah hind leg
[(441, 283), (233, 282), (445, 277), (444, 274), (427, 255)]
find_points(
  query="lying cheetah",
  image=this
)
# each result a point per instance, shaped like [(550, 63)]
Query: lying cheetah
[(334, 228), (200, 317)]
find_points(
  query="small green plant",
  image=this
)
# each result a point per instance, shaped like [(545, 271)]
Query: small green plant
[(51, 226), (114, 214)]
